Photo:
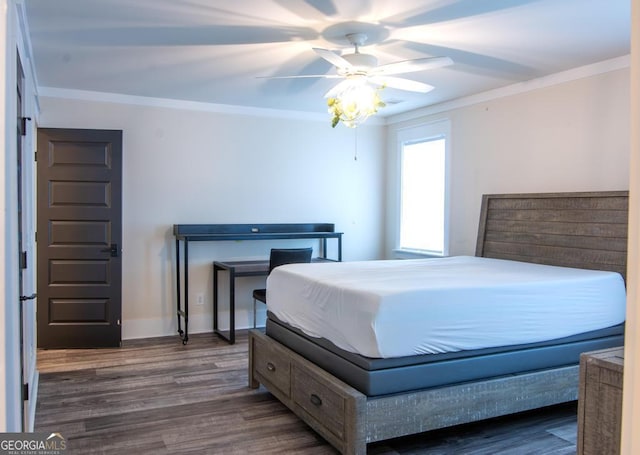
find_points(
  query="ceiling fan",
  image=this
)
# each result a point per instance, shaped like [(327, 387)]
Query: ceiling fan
[(359, 65), (356, 98)]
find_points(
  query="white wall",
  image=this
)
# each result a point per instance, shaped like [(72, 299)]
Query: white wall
[(630, 439), (188, 166), (572, 136)]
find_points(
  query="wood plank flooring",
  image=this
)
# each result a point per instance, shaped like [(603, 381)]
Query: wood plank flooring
[(156, 396)]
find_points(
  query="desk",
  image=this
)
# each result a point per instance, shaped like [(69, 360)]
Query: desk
[(237, 269), (232, 232)]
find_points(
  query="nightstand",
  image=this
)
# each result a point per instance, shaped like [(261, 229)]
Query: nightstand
[(600, 402)]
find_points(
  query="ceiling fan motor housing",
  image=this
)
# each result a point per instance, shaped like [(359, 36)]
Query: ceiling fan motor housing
[(361, 61)]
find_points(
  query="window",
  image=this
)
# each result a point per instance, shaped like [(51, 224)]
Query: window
[(423, 190)]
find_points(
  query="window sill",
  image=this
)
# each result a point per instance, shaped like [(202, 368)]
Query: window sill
[(415, 254)]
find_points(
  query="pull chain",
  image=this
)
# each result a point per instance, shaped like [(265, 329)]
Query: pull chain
[(355, 149)]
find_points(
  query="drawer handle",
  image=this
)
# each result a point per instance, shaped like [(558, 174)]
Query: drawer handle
[(271, 367), (315, 400)]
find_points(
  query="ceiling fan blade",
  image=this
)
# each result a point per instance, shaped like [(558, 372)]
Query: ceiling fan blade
[(309, 8), (332, 58), (450, 11), (410, 66), (299, 76), (323, 6), (476, 63), (401, 83)]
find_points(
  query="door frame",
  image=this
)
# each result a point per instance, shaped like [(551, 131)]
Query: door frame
[(12, 43), (25, 200)]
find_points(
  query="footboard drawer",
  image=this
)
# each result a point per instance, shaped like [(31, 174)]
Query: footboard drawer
[(332, 408), (320, 401), (272, 366)]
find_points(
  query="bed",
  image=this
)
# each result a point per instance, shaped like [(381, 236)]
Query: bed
[(352, 397)]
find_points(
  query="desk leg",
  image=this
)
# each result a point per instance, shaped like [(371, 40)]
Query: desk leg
[(232, 306), (216, 269), (185, 339), (178, 296)]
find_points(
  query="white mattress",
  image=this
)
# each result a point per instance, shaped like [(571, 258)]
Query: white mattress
[(398, 308)]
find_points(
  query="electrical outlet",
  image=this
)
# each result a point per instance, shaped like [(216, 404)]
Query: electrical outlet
[(200, 299)]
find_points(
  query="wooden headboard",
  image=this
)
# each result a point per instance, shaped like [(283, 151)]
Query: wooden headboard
[(583, 230)]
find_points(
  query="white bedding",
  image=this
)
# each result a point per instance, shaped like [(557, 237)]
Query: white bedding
[(405, 307)]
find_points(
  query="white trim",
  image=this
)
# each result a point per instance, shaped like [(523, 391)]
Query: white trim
[(10, 402), (105, 97), (510, 90), (198, 323), (87, 95), (154, 327), (407, 254), (515, 89)]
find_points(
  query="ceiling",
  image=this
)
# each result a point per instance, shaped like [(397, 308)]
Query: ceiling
[(216, 51)]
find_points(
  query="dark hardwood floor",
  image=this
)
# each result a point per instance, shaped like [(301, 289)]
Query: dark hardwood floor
[(156, 396)]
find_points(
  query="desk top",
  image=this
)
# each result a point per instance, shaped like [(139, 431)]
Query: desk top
[(244, 268), (202, 232), (252, 267)]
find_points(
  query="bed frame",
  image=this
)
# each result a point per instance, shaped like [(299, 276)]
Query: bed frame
[(584, 230)]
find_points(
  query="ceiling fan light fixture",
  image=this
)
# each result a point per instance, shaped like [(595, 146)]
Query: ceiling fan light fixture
[(353, 101)]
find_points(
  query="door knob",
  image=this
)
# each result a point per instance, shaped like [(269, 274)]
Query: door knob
[(112, 250)]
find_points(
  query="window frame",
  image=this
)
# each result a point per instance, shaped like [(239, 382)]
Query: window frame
[(440, 129)]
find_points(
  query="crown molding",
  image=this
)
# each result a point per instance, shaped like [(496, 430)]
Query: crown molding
[(510, 90), (515, 89), (135, 100), (106, 97)]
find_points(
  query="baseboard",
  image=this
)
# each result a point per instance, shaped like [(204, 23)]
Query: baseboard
[(198, 323)]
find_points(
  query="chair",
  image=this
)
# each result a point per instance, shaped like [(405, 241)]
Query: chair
[(280, 256)]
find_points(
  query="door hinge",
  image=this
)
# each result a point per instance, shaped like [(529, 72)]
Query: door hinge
[(35, 235), (23, 126), (25, 392), (118, 322), (35, 156), (23, 259)]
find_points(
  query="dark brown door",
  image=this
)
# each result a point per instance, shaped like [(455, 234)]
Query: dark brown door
[(79, 238)]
